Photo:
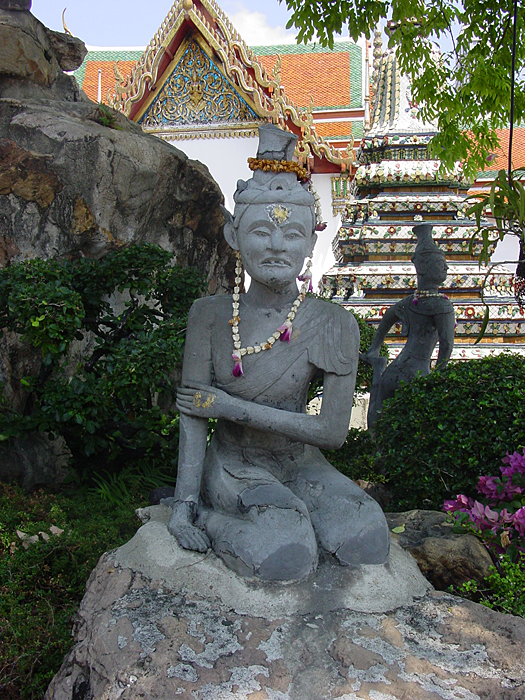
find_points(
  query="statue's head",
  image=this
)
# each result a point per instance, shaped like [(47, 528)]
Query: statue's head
[(274, 220), (429, 260)]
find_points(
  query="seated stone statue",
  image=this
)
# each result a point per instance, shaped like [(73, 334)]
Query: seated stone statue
[(261, 493), (427, 316)]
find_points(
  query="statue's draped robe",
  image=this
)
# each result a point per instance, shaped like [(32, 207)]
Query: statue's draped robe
[(237, 457)]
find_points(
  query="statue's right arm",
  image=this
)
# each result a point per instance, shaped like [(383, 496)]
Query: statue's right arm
[(390, 318), (197, 366)]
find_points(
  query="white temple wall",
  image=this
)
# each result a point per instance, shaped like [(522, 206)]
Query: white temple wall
[(227, 161)]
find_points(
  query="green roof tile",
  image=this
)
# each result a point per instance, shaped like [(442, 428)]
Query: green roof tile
[(339, 47)]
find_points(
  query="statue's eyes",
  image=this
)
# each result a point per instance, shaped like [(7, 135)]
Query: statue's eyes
[(262, 232), (292, 234)]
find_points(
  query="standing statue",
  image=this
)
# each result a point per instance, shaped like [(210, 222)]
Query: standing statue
[(261, 493), (427, 316)]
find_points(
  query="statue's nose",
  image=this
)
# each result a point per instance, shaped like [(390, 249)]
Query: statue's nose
[(277, 239)]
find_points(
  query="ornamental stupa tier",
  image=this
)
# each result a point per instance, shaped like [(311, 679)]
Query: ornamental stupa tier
[(397, 185)]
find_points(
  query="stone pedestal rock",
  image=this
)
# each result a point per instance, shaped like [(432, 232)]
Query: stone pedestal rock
[(161, 623)]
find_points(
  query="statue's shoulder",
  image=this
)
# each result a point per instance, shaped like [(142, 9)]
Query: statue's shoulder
[(335, 347), (206, 309), (334, 314)]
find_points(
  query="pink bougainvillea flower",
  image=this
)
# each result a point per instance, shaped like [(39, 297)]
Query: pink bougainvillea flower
[(519, 521), (237, 367), (516, 464), (286, 332), (462, 503), (488, 486), (506, 517), (477, 513)]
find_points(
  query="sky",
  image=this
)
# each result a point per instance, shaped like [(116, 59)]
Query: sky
[(108, 23)]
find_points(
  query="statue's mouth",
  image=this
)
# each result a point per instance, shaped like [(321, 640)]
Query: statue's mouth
[(275, 262)]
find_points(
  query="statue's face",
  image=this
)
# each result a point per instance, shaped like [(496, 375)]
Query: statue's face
[(432, 269), (274, 240)]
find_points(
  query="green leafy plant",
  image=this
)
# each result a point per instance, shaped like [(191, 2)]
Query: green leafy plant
[(42, 579), (108, 338), (440, 432), (105, 116), (466, 89), (356, 459), (503, 589)]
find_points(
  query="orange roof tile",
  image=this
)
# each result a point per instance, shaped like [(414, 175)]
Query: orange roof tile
[(324, 76), (502, 153), (331, 129), (90, 83)]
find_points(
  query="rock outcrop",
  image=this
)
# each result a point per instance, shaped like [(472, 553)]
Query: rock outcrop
[(194, 630), (78, 179), (444, 557)]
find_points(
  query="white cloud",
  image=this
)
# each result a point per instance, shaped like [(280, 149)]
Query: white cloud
[(255, 30)]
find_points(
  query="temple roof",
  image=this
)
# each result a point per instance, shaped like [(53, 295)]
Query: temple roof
[(290, 85), (394, 111)]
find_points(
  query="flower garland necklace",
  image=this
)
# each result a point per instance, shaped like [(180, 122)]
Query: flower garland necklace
[(424, 294), (283, 333)]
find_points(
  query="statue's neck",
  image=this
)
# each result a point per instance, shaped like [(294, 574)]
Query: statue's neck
[(261, 296)]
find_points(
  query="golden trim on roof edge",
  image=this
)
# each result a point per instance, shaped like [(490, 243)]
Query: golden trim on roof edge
[(265, 93)]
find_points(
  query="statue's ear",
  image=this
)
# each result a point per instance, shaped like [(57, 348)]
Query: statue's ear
[(230, 232), (314, 241)]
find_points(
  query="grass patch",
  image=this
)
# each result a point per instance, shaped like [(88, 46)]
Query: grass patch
[(42, 585)]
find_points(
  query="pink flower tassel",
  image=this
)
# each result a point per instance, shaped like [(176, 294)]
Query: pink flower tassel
[(237, 367), (307, 277), (286, 332)]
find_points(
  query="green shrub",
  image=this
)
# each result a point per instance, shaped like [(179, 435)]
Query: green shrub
[(503, 589), (42, 586), (356, 459), (108, 408), (364, 371), (439, 433)]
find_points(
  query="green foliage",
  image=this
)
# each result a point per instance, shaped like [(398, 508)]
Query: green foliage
[(116, 488), (356, 459), (365, 373), (105, 116), (439, 433), (467, 89), (503, 589), (108, 408), (41, 586)]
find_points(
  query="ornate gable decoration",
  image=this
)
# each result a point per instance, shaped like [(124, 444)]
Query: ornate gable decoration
[(197, 95), (167, 73)]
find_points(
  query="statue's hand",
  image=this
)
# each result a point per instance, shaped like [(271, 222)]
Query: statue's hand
[(203, 401), (377, 361), (182, 528)]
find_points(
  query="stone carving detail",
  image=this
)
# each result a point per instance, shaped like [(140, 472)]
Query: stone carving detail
[(427, 316), (261, 493), (197, 93)]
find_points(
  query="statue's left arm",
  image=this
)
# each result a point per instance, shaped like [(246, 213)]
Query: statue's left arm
[(327, 430), (445, 324)]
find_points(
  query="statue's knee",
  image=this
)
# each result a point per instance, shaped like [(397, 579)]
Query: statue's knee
[(274, 544), (354, 529), (369, 543), (265, 495)]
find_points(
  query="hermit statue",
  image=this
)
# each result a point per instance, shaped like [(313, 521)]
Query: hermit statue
[(261, 493), (427, 316)]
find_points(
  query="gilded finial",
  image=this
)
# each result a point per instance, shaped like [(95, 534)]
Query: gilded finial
[(66, 30)]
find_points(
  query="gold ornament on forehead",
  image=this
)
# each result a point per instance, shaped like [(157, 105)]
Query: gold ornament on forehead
[(278, 213)]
